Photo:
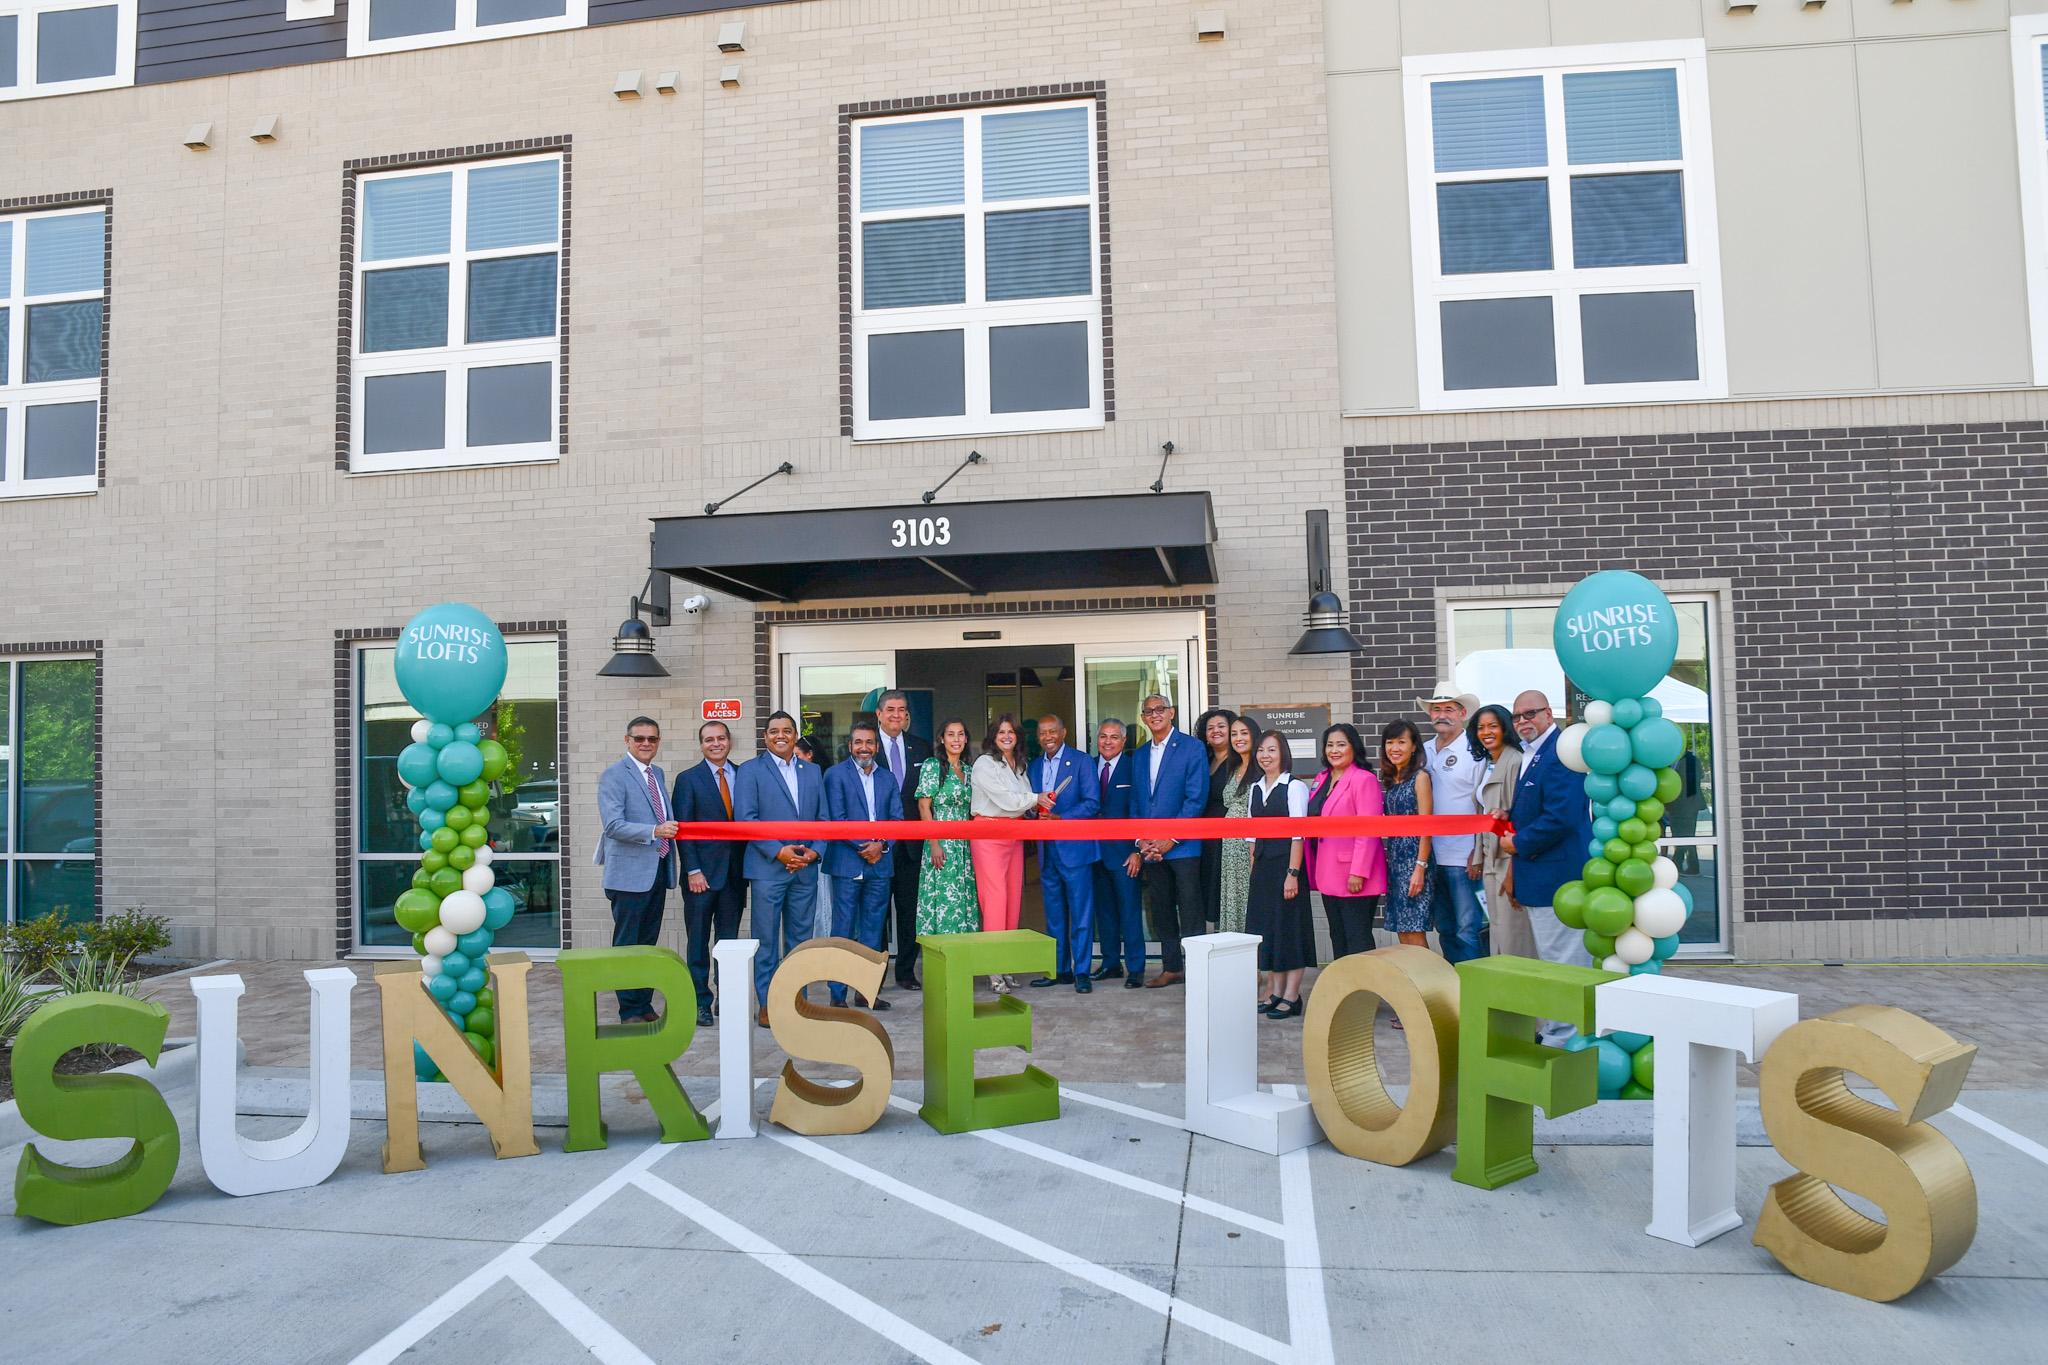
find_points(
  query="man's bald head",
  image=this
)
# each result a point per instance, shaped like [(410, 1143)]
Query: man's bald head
[(1532, 715)]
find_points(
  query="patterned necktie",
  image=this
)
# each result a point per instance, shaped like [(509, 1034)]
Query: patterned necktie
[(724, 791), (654, 796), (1105, 777)]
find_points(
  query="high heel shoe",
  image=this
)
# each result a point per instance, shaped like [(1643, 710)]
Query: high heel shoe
[(1001, 984)]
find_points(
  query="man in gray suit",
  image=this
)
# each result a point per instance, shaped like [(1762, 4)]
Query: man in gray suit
[(637, 850), (780, 786)]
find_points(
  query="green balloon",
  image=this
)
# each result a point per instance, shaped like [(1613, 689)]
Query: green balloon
[(419, 944), (1645, 1062), (1634, 877), (486, 999), (1618, 851), (1570, 904), (495, 757), (1634, 1090), (457, 818), (1650, 811), (1669, 785), (446, 883), (476, 795), (462, 857), (419, 878), (481, 1021), (419, 911), (1599, 945), (433, 861), (445, 839), (1597, 873), (1609, 911), (1633, 831), (1646, 850), (476, 836), (480, 1045)]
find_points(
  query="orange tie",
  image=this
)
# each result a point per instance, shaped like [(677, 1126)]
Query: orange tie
[(725, 791)]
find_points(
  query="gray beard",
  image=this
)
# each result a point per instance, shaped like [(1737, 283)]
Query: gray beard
[(866, 762)]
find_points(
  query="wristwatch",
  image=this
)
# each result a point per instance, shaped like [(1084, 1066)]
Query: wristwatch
[(1294, 872)]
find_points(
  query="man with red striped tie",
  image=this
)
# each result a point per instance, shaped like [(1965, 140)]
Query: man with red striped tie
[(637, 851)]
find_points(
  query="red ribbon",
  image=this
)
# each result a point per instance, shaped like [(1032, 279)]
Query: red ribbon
[(1242, 827)]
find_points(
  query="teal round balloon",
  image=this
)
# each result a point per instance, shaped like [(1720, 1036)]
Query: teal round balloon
[(1663, 948), (1617, 1068), (1605, 828), (468, 733), (462, 1002), (441, 986), (438, 735), (423, 1066), (1628, 713), (1631, 1042), (460, 764), (498, 908), (1657, 743), (450, 663), (474, 944), (1637, 782), (454, 965), (1616, 635), (1600, 787), (416, 764), (1619, 809), (438, 794), (1649, 966), (431, 819), (1652, 708), (1606, 750)]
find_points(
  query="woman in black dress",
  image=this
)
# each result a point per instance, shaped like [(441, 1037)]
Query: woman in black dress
[(1278, 911), (1214, 730)]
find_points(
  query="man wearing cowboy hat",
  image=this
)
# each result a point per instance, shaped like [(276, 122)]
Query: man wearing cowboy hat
[(1454, 778)]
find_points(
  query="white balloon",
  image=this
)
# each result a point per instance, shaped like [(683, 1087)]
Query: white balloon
[(462, 912), (1568, 746), (1634, 946), (483, 856), (1614, 964), (430, 966), (1665, 871), (1659, 912), (478, 879), (420, 730), (440, 941), (1599, 713)]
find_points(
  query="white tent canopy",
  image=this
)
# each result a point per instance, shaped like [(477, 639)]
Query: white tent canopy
[(1499, 675)]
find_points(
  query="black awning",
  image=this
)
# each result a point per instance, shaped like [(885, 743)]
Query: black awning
[(1146, 540)]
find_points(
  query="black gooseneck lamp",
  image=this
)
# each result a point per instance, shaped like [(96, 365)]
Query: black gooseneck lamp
[(633, 646), (1327, 632)]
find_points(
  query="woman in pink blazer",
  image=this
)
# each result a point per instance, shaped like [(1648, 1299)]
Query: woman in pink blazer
[(1351, 873)]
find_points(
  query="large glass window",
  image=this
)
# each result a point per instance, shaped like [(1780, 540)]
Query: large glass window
[(402, 25), (55, 47), (525, 826), (52, 304), (977, 306), (1500, 651), (50, 768), (458, 294), (1562, 205)]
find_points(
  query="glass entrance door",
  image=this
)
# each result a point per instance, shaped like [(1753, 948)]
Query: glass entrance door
[(1115, 679), (825, 692)]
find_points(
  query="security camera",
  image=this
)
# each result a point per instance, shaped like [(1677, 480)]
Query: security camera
[(694, 604)]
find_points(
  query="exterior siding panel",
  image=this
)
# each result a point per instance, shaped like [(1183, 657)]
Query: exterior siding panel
[(178, 40)]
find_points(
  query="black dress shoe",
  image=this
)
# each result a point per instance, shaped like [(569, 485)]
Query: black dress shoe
[(1063, 979), (908, 983), (1135, 981), (1272, 1003), (1083, 986), (1106, 974), (878, 1003), (703, 1016), (1286, 1009)]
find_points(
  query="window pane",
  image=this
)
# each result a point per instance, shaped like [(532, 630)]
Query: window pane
[(1498, 344), (404, 412), (6, 323), (918, 261), (75, 44), (63, 885), (1638, 338), (1494, 225), (67, 254), (383, 823), (917, 374), (1034, 155), (403, 18), (62, 440), (407, 216), (1621, 116), (509, 404), (536, 891), (405, 309), (1038, 369), (10, 38), (1628, 219), (512, 298), (58, 756), (6, 224), (1041, 253), (517, 12), (63, 341), (514, 205), (379, 885), (525, 808), (906, 165), (1485, 125)]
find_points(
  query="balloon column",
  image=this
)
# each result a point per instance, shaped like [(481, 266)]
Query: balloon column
[(1616, 636), (451, 662)]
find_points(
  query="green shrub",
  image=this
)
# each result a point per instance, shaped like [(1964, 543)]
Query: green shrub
[(129, 934), (15, 1001), (40, 944), (90, 972)]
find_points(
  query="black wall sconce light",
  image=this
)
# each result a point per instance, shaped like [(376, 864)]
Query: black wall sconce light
[(633, 646), (1327, 632)]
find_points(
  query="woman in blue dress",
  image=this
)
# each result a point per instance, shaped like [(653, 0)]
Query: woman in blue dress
[(1405, 777)]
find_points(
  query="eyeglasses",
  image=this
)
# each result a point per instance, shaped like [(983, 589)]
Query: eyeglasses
[(1531, 715), (1155, 710), (643, 739)]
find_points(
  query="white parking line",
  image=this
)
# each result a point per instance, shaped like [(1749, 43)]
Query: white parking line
[(1308, 1310), (1128, 1110), (592, 1332), (2001, 1132)]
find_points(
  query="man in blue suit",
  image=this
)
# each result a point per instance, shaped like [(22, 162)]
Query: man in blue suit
[(1170, 782), (1066, 867), (637, 851), (1553, 831), (1119, 912), (714, 890), (778, 785), (863, 870)]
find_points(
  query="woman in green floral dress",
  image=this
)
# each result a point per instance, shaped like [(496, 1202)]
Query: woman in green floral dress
[(1237, 801), (946, 902)]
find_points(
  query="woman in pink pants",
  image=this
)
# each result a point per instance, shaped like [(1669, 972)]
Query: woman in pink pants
[(1002, 791)]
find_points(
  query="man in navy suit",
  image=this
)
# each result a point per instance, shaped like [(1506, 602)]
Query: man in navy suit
[(778, 785), (901, 753), (637, 850), (1553, 831), (1119, 911), (714, 891), (862, 870), (1170, 782), (1066, 867)]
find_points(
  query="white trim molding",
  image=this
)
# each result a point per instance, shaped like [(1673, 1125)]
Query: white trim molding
[(28, 16), (466, 29), (2029, 53)]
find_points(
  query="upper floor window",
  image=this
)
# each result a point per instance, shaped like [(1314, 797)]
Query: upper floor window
[(401, 25), (53, 276), (977, 292), (55, 47), (458, 288), (2030, 100), (1562, 208)]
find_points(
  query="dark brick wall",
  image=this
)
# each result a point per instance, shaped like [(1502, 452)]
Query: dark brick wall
[(1889, 661)]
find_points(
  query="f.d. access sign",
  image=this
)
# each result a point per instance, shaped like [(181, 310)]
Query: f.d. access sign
[(722, 710)]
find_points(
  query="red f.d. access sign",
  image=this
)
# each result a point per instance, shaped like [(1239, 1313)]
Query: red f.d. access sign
[(722, 710)]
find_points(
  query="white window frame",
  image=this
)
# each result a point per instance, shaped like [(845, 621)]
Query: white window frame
[(17, 396), (972, 317), (29, 13), (457, 358), (2029, 36), (466, 30), (1564, 283)]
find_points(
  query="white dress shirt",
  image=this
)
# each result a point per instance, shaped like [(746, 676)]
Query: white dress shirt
[(1000, 793), (786, 767), (1158, 757), (1454, 779), (660, 796), (892, 750)]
